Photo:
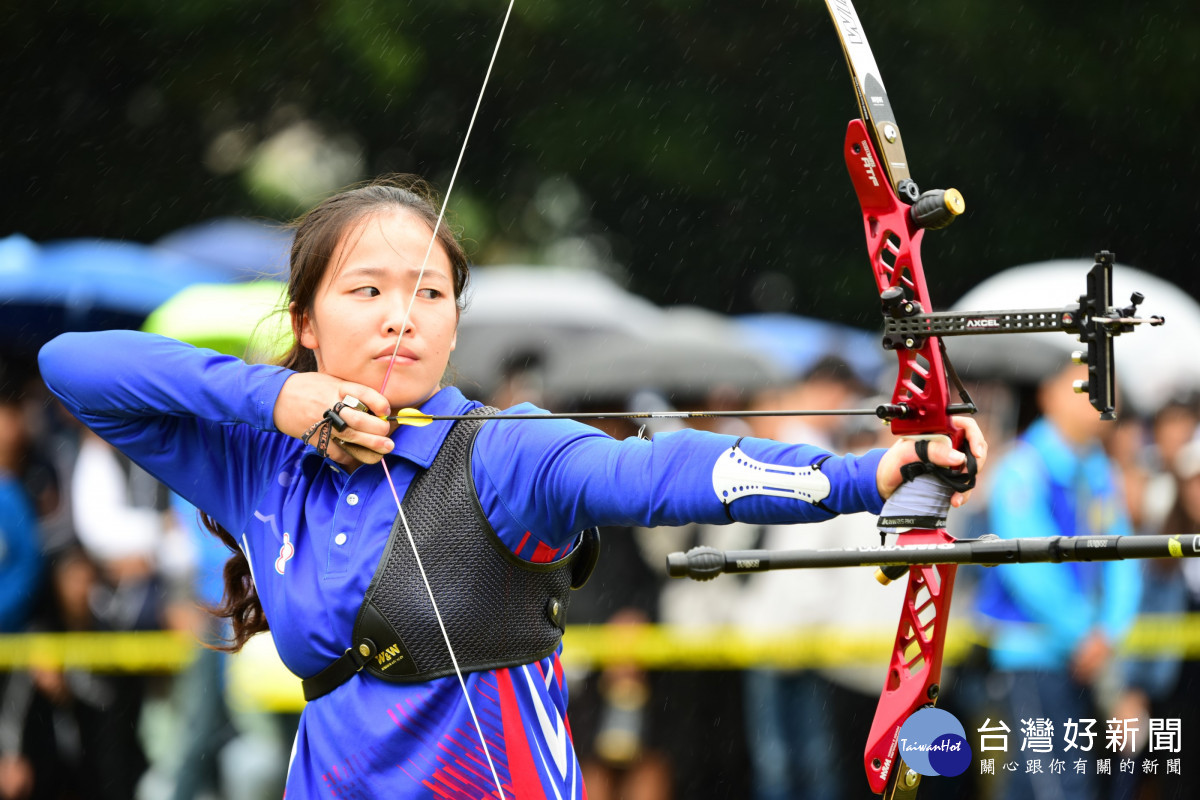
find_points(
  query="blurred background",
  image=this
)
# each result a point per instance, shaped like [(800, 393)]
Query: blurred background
[(655, 200), (692, 149)]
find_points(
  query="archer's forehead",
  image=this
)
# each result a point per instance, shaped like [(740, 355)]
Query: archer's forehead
[(389, 244)]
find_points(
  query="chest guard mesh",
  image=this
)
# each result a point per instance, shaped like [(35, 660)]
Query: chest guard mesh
[(499, 610)]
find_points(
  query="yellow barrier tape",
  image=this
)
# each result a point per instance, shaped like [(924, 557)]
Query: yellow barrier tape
[(1164, 635), (259, 681), (141, 651), (666, 647)]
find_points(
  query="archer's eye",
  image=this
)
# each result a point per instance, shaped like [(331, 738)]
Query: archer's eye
[(430, 293)]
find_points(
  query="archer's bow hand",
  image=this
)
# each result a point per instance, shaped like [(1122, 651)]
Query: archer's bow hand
[(940, 453)]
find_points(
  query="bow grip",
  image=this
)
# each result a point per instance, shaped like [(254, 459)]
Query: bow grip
[(923, 500)]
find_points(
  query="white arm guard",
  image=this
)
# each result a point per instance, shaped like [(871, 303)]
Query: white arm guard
[(737, 475)]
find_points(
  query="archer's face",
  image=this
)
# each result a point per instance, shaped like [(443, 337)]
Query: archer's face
[(360, 306)]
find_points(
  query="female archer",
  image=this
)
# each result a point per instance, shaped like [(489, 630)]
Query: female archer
[(416, 577)]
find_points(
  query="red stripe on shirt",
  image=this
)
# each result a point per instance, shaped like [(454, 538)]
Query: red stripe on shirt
[(542, 554)]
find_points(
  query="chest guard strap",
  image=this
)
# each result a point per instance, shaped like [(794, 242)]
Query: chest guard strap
[(499, 610)]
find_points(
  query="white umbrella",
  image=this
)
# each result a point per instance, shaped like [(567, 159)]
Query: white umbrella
[(518, 311), (1153, 363)]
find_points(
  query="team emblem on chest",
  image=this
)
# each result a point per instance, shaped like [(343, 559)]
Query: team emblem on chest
[(285, 554)]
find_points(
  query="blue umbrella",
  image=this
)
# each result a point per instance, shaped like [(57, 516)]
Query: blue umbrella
[(244, 249), (82, 285), (798, 343)]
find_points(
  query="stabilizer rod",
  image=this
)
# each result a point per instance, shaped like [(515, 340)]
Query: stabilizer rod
[(706, 563)]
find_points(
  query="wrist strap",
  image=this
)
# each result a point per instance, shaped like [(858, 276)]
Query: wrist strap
[(959, 481)]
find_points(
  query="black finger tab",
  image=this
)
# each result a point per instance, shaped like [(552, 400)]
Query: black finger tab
[(335, 418)]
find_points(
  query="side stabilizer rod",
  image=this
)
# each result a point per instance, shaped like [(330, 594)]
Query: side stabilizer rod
[(706, 563)]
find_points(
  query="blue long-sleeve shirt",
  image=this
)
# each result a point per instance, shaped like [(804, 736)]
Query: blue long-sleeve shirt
[(313, 534), (1039, 613)]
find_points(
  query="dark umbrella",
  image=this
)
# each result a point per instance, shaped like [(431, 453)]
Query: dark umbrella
[(689, 354), (516, 315)]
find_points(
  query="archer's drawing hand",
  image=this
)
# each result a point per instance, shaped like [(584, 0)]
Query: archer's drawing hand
[(305, 398), (888, 478)]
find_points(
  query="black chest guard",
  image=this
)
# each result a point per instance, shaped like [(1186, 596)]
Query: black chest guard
[(499, 610)]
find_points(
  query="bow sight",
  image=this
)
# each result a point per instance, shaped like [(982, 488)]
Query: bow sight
[(1093, 319)]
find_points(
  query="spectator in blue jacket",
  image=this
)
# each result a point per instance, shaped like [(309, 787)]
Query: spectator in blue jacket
[(20, 581), (1054, 627), (20, 543)]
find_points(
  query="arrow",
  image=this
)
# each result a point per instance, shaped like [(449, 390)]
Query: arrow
[(417, 419)]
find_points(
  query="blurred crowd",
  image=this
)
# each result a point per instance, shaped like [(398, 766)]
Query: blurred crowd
[(89, 542)]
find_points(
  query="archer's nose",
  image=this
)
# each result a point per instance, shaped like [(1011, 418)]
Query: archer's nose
[(398, 319)]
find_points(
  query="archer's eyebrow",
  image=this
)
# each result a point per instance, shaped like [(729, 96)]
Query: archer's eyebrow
[(373, 271)]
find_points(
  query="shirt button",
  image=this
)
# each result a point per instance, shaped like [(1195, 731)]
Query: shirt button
[(352, 499), (340, 539)]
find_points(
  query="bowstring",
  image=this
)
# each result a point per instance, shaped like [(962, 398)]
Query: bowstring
[(387, 375)]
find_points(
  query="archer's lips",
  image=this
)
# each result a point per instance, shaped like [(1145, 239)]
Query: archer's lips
[(401, 355)]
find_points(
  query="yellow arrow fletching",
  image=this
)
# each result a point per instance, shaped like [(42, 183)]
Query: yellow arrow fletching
[(411, 416)]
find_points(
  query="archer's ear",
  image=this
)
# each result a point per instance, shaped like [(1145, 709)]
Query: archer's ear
[(302, 327)]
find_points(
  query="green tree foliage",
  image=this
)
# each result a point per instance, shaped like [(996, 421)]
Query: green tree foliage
[(695, 146)]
